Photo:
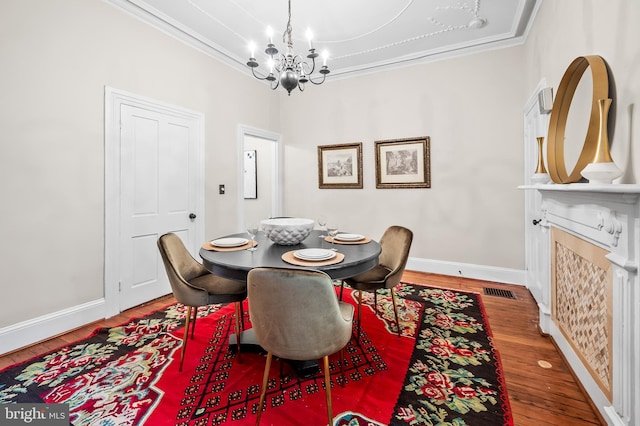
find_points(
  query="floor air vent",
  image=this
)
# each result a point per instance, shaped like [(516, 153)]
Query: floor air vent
[(508, 294)]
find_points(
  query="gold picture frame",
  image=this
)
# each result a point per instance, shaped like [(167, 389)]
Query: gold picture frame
[(403, 163), (340, 166)]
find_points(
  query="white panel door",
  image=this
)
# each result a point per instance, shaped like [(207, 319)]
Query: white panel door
[(157, 188)]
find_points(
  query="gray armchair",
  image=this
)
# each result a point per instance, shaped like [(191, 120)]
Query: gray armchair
[(194, 286), (296, 316), (395, 245)]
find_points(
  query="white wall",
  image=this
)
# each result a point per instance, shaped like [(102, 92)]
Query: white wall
[(470, 107), (56, 59)]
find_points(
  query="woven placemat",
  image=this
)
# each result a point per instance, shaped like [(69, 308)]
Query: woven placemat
[(290, 258), (211, 247), (363, 241)]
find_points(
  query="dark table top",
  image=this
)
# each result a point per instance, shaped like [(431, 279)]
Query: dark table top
[(358, 258)]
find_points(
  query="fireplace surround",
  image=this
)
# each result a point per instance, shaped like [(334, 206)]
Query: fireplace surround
[(589, 236)]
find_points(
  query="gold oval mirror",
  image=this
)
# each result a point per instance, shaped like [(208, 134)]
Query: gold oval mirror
[(557, 168)]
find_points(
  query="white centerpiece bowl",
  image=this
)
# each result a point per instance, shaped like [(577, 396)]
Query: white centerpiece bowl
[(287, 231)]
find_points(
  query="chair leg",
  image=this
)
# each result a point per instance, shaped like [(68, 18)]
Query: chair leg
[(193, 325), (184, 338), (359, 309), (395, 311), (341, 289), (375, 301), (342, 366), (327, 388), (238, 308), (241, 315), (265, 379)]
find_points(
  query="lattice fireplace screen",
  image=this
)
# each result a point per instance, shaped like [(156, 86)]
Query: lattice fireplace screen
[(582, 302)]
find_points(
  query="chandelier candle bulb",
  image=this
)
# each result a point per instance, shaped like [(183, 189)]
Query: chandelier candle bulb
[(325, 55), (270, 34), (309, 37)]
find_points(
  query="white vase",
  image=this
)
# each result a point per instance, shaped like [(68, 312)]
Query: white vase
[(540, 178), (602, 169), (601, 172)]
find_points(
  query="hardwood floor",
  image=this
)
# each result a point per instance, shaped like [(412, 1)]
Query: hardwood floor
[(538, 396)]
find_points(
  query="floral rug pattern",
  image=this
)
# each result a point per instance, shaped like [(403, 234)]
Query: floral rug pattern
[(107, 378), (454, 375)]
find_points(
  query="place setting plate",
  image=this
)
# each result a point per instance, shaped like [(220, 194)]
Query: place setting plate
[(314, 254), (229, 242), (312, 257), (345, 238), (349, 237)]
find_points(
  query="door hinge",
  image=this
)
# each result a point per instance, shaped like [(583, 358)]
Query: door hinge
[(119, 285)]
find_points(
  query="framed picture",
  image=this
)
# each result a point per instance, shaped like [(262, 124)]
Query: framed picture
[(403, 163), (340, 166)]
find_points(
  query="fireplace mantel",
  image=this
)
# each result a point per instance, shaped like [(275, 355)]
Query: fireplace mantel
[(607, 216)]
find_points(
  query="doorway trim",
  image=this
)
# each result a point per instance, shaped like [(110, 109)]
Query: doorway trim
[(114, 99), (276, 197)]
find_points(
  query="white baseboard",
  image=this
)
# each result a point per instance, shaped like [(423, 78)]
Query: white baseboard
[(35, 330), (478, 272)]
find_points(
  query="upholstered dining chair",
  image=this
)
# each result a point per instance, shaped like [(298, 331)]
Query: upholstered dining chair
[(395, 245), (296, 316), (193, 286)]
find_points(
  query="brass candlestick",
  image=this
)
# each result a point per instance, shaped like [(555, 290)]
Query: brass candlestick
[(540, 168)]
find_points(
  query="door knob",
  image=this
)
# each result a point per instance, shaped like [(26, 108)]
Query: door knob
[(536, 221), (192, 216)]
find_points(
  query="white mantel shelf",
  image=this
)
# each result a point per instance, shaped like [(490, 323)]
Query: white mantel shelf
[(607, 216), (587, 188)]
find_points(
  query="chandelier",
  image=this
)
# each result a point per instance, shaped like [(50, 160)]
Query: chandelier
[(289, 70)]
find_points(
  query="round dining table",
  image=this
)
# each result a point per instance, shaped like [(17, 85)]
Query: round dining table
[(235, 265), (358, 258)]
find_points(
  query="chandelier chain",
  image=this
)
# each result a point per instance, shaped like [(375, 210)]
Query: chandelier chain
[(288, 30)]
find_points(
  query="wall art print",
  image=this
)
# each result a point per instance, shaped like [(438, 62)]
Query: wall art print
[(340, 166), (403, 163)]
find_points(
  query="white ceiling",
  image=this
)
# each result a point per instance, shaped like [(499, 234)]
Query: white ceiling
[(360, 35)]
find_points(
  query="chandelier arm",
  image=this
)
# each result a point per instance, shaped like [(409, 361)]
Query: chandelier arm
[(305, 63), (317, 83), (256, 75), (280, 64)]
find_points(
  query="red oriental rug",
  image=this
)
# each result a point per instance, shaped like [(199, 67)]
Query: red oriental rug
[(444, 370)]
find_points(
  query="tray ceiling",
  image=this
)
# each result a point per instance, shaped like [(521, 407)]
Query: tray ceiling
[(359, 35)]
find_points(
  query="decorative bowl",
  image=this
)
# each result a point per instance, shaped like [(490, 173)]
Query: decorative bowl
[(287, 231)]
